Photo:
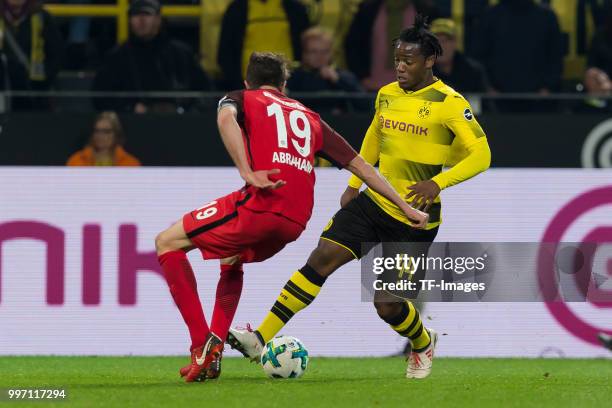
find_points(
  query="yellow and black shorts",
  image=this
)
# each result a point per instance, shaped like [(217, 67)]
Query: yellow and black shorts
[(363, 221)]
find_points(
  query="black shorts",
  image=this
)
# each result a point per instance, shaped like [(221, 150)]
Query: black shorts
[(363, 221)]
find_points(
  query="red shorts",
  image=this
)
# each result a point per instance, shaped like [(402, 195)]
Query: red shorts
[(224, 228)]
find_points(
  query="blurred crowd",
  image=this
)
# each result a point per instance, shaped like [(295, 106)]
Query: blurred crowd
[(501, 47)]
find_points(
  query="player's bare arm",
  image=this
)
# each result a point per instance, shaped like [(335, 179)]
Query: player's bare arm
[(231, 134), (359, 167), (349, 194)]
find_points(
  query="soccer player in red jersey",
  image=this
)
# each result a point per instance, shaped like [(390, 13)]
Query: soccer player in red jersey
[(273, 141)]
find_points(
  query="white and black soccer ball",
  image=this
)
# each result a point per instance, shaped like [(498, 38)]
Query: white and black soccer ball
[(284, 357)]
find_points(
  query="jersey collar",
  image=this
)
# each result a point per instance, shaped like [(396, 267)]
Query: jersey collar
[(432, 85)]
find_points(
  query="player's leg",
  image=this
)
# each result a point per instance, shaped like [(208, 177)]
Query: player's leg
[(395, 308), (299, 292), (203, 229), (404, 318), (172, 246), (257, 236), (260, 236), (227, 297), (303, 286), (229, 289), (400, 314), (406, 321), (340, 243)]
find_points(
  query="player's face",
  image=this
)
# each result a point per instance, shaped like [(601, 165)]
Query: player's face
[(145, 26), (103, 135), (411, 67)]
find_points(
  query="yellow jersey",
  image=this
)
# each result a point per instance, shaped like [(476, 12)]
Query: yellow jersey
[(414, 134)]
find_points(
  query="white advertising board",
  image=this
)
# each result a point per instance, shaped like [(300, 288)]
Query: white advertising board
[(79, 274)]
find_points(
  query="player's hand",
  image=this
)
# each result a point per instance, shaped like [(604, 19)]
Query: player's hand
[(422, 194), (349, 194), (260, 179), (419, 219)]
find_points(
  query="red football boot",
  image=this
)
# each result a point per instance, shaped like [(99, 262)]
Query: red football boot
[(202, 359), (185, 370), (213, 372)]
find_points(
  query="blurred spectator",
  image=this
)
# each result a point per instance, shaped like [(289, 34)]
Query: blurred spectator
[(105, 145), (598, 86), (453, 67), (376, 24), (79, 52), (317, 72), (597, 81), (334, 16), (30, 50), (600, 51), (599, 11), (149, 61), (520, 46), (272, 25)]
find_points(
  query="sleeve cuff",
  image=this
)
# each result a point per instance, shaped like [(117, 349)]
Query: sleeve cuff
[(440, 181), (355, 182)]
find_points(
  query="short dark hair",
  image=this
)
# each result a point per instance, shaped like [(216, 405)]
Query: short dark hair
[(419, 34), (267, 68)]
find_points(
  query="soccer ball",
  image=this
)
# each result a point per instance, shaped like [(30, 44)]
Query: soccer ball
[(284, 357)]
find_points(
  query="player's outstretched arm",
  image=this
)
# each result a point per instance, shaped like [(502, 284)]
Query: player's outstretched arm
[(231, 134), (370, 152), (359, 167)]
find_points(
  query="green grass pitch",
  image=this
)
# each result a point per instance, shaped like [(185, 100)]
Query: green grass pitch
[(336, 382)]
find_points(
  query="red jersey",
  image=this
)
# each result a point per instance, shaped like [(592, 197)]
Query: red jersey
[(281, 133)]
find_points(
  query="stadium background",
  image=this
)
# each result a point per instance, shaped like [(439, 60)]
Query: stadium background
[(87, 225)]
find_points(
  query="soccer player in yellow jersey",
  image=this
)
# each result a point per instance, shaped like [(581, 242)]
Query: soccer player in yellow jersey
[(420, 126)]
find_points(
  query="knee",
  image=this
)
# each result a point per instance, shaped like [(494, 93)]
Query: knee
[(387, 310), (163, 243), (323, 260), (231, 271)]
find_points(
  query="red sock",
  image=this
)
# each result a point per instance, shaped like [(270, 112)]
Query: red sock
[(229, 289), (184, 290)]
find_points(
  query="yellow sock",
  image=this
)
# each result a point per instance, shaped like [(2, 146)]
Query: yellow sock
[(298, 293), (409, 324)]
